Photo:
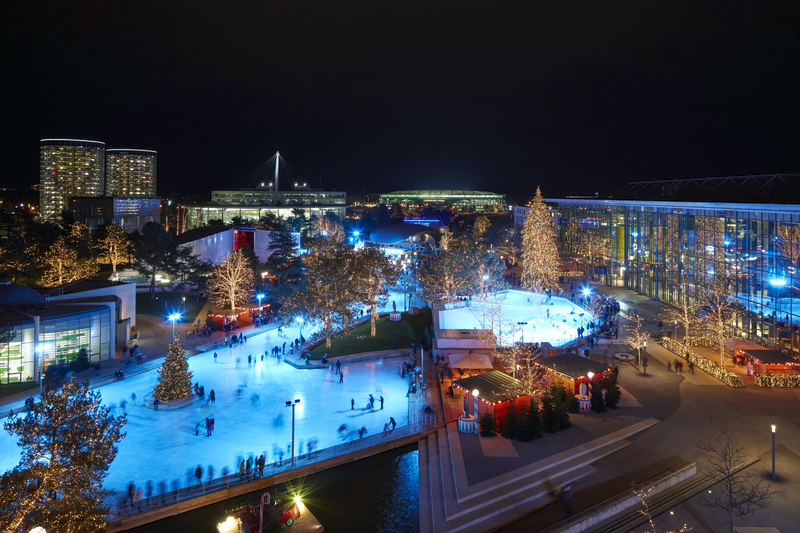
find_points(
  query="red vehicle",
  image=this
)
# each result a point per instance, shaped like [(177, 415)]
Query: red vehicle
[(254, 519)]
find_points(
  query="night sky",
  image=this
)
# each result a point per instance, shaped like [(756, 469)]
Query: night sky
[(379, 95)]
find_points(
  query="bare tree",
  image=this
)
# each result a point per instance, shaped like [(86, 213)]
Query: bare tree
[(114, 247), (446, 240), (637, 336), (740, 493), (231, 282), (719, 308), (685, 314), (643, 494)]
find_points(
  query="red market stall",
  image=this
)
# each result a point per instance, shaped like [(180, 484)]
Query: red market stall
[(771, 362), (570, 370), (494, 395)]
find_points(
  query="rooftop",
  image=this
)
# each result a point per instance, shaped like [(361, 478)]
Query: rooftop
[(443, 193), (571, 365), (768, 188), (492, 386), (394, 233), (80, 285), (16, 296)]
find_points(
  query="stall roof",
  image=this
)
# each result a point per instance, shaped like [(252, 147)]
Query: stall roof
[(473, 360), (771, 357), (494, 386), (571, 365)]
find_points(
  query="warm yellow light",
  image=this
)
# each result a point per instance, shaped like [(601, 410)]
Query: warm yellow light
[(297, 500), (230, 525), (475, 392), (773, 428)]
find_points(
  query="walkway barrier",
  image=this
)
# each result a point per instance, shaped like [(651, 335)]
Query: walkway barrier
[(711, 368), (121, 508)]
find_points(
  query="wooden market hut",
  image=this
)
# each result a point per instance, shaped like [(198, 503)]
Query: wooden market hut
[(570, 370), (496, 392), (771, 362), (761, 360)]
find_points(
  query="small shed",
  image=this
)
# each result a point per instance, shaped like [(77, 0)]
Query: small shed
[(771, 362), (496, 392), (570, 370)]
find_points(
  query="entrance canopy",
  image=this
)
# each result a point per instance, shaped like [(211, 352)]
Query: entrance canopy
[(771, 357)]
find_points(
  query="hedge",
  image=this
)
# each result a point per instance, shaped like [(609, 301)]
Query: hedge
[(724, 375), (777, 380)]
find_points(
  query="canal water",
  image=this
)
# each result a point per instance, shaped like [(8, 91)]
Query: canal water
[(377, 494)]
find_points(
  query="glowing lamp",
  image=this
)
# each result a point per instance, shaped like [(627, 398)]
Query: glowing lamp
[(774, 427), (590, 375)]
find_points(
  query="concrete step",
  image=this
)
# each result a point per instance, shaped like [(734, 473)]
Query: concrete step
[(658, 504), (425, 511)]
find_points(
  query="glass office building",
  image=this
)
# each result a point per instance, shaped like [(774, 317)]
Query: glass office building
[(68, 167), (668, 250), (131, 172), (458, 201), (63, 331)]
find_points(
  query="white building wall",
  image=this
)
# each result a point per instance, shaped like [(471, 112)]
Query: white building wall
[(125, 292)]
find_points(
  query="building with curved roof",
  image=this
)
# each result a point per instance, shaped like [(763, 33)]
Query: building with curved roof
[(403, 238), (131, 172), (459, 201), (38, 333)]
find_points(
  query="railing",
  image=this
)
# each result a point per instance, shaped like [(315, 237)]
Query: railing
[(120, 507)]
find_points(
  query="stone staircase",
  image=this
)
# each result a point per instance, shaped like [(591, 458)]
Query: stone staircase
[(449, 504)]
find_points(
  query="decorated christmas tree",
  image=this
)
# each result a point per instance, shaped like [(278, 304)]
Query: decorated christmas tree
[(175, 379), (540, 262)]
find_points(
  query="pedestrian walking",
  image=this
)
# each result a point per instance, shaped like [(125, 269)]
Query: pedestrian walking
[(669, 366), (241, 469), (156, 401), (212, 397), (133, 398), (352, 404), (261, 461), (198, 473), (341, 377), (691, 367), (250, 360), (248, 466), (197, 429), (215, 357), (381, 400), (208, 427), (149, 491)]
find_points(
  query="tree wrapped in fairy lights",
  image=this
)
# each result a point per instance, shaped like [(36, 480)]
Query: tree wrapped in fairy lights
[(540, 262), (174, 376)]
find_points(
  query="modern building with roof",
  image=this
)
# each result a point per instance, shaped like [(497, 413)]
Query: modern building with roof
[(130, 212), (398, 239), (68, 167), (459, 201), (669, 249), (38, 333), (213, 244), (131, 172)]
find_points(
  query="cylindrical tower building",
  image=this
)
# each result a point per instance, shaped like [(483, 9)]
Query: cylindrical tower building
[(131, 172), (68, 167)]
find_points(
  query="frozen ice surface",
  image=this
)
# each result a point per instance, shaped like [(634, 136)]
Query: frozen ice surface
[(520, 316), (162, 445)]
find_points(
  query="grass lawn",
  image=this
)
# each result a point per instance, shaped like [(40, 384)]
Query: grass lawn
[(13, 388), (168, 302), (410, 329)]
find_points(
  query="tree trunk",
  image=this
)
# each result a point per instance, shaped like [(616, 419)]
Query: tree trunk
[(373, 313), (113, 265)]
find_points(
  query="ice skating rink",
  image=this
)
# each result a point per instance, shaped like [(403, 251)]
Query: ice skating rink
[(250, 413), (520, 316)]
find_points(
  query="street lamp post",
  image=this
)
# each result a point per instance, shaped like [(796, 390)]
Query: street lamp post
[(172, 318), (259, 296), (475, 393), (773, 451), (292, 404)]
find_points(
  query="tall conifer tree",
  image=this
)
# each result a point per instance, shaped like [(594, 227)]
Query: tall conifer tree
[(540, 262), (175, 378)]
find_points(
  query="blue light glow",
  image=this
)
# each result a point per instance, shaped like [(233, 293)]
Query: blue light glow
[(777, 282)]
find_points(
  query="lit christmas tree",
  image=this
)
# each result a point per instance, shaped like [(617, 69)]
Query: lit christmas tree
[(68, 441), (540, 263), (175, 379)]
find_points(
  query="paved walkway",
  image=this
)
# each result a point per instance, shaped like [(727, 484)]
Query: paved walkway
[(689, 407)]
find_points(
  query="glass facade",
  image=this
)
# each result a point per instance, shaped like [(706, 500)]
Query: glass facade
[(670, 250), (131, 172), (68, 167), (195, 216), (459, 201), (61, 337), (265, 197)]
